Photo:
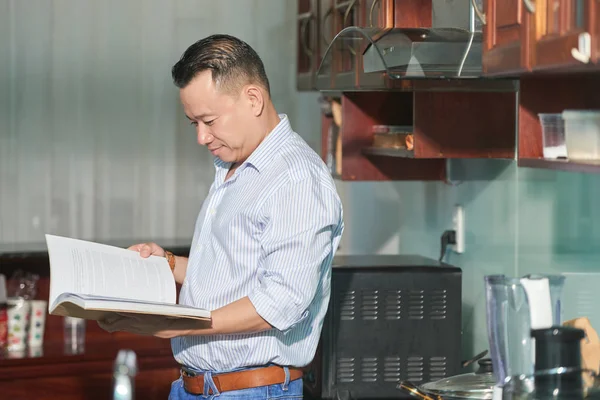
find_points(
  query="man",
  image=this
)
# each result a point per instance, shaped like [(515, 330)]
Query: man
[(264, 240)]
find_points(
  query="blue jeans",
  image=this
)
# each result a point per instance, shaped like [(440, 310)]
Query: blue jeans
[(288, 390)]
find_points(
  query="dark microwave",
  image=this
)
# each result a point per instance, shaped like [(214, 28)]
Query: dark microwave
[(390, 318)]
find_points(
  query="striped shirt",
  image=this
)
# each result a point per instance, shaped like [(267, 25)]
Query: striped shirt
[(269, 233)]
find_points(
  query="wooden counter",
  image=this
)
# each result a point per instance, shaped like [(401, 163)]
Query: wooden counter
[(54, 374)]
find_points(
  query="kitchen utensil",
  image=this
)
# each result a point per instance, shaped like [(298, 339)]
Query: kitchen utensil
[(553, 135), (474, 385), (510, 316), (508, 324), (582, 134), (393, 136), (470, 361)]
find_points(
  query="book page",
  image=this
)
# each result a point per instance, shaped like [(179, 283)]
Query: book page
[(81, 267)]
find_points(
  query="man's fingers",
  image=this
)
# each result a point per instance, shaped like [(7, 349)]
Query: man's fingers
[(108, 325), (117, 322), (147, 249), (136, 247)]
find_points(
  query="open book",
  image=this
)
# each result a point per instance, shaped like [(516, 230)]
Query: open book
[(91, 280)]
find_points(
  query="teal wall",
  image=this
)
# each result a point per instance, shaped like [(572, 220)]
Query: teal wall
[(518, 221)]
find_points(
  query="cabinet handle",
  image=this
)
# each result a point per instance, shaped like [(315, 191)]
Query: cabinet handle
[(325, 17), (583, 52), (346, 14), (530, 6), (373, 4), (308, 51), (480, 15)]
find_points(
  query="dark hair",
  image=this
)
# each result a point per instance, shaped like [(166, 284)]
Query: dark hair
[(233, 63)]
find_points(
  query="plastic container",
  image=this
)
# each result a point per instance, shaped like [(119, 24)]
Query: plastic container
[(18, 323), (393, 136), (582, 133), (553, 135)]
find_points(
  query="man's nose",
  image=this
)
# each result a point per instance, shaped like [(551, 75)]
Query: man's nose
[(204, 137)]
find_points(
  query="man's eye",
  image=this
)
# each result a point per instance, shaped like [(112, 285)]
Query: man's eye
[(194, 123), (209, 123)]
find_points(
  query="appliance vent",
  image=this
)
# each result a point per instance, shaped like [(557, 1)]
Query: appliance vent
[(415, 369), (415, 304), (369, 304), (348, 305), (368, 369), (437, 368), (392, 305), (438, 304), (345, 369), (391, 369)]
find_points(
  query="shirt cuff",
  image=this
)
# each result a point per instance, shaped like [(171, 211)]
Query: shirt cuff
[(280, 316)]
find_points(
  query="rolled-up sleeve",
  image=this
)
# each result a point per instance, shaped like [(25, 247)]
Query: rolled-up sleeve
[(303, 218)]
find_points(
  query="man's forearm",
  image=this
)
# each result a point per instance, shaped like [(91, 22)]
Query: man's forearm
[(237, 317), (180, 269)]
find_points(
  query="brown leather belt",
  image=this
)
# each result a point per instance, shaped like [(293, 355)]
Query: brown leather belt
[(238, 380)]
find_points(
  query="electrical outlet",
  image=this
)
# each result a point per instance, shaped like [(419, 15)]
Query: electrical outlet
[(458, 220)]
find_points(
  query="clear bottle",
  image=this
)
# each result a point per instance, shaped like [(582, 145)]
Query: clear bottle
[(124, 372), (74, 335)]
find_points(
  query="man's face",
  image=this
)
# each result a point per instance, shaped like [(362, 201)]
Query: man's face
[(223, 121)]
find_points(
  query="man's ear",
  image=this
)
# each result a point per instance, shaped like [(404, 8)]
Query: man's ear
[(256, 98)]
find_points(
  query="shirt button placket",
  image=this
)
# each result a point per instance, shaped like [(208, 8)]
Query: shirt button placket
[(210, 213)]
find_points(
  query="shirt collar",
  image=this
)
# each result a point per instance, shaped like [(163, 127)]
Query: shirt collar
[(265, 151)]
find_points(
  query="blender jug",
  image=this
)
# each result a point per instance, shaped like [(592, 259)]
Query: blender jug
[(508, 327), (511, 316)]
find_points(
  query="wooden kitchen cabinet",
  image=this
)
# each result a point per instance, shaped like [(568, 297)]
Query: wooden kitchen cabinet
[(326, 28), (506, 46), (475, 125), (412, 13), (540, 93), (564, 33), (362, 110), (307, 47), (395, 13), (478, 121), (524, 36), (376, 13), (344, 68), (341, 65)]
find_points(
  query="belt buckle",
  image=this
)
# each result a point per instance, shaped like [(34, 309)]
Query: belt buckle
[(188, 372)]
